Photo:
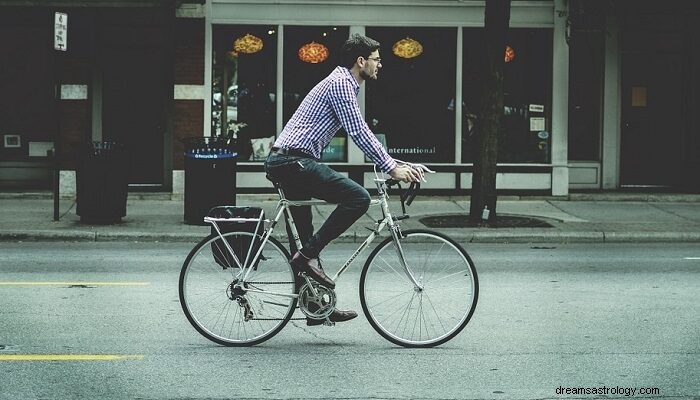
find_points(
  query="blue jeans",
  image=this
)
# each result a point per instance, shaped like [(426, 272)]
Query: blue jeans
[(305, 178)]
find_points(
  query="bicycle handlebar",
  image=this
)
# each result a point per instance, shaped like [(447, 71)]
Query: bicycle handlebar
[(408, 195)]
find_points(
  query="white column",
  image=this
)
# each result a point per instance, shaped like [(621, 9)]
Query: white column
[(279, 97), (611, 108), (207, 68), (96, 105), (560, 102), (458, 99), (67, 184)]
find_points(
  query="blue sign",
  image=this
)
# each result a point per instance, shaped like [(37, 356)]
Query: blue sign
[(197, 154)]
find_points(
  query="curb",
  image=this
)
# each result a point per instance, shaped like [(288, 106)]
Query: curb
[(480, 236), (47, 235), (537, 237), (656, 237)]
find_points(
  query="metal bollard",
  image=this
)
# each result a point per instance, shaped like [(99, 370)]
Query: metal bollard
[(56, 176)]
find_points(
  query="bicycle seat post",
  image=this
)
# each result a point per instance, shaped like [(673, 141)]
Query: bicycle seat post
[(280, 191), (284, 203)]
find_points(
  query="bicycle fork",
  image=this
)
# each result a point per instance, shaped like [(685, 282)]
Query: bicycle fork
[(396, 234), (402, 258)]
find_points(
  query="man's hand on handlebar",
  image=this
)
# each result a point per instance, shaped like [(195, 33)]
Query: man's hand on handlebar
[(405, 173)]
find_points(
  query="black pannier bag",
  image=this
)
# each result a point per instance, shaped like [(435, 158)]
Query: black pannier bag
[(240, 244)]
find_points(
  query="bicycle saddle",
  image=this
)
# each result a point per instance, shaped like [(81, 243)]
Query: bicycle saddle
[(274, 181)]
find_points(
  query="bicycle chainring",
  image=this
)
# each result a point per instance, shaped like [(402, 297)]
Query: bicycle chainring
[(319, 305)]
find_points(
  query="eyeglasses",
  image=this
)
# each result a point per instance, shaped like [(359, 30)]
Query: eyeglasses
[(378, 60)]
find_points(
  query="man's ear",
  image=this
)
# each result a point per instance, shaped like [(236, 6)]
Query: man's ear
[(360, 61)]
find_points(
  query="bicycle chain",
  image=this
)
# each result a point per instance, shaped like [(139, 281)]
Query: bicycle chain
[(274, 319)]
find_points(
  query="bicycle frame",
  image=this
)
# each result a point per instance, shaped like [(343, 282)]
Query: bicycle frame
[(284, 206)]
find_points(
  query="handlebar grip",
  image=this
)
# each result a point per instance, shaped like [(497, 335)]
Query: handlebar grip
[(412, 192), (391, 182)]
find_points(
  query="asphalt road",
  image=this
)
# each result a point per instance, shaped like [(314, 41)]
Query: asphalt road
[(102, 320)]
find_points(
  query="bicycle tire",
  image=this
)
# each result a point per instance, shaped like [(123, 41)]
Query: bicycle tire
[(206, 297), (426, 251)]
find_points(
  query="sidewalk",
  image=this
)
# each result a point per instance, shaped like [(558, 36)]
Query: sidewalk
[(597, 217)]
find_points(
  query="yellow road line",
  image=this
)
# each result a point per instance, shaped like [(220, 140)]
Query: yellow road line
[(68, 357), (18, 283)]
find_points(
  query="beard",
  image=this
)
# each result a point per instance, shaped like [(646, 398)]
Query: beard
[(366, 76)]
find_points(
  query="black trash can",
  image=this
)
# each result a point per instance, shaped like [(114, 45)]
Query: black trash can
[(102, 183), (210, 176)]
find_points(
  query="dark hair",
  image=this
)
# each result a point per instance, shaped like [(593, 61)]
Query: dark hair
[(357, 46)]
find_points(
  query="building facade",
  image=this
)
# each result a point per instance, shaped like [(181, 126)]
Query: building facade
[(595, 98)]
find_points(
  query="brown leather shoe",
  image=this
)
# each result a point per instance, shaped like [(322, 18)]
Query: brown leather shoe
[(336, 316), (312, 269)]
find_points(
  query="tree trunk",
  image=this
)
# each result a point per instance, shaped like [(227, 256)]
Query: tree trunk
[(483, 195)]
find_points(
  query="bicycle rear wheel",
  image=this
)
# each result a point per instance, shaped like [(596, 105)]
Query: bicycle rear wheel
[(410, 317), (231, 315)]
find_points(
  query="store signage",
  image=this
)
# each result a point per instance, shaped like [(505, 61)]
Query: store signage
[(197, 153), (536, 108), (639, 96), (60, 32), (537, 123)]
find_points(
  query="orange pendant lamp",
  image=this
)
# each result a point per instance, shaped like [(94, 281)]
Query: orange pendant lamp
[(248, 44), (407, 48), (510, 54), (313, 53)]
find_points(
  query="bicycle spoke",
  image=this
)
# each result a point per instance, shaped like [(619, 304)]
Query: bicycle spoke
[(212, 297), (437, 315), (405, 313), (390, 298), (219, 255), (417, 320), (445, 277), (400, 276), (225, 276), (445, 270)]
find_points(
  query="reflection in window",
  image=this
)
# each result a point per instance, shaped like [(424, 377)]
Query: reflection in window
[(310, 54), (526, 125), (410, 101), (244, 86)]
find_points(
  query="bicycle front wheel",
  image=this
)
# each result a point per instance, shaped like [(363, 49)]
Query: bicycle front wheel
[(229, 312), (419, 317)]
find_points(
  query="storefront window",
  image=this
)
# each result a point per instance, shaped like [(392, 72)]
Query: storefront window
[(310, 54), (244, 85), (526, 126), (27, 74), (586, 46), (412, 102)]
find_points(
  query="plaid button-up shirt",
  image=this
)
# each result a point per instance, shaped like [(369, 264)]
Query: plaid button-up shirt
[(330, 105)]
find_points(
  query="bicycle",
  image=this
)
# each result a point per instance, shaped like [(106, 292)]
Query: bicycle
[(418, 288)]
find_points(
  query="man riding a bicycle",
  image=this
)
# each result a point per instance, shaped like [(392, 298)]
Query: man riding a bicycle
[(294, 161)]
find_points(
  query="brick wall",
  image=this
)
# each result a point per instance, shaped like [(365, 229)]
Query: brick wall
[(75, 114), (75, 119), (189, 51), (188, 118), (188, 121)]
